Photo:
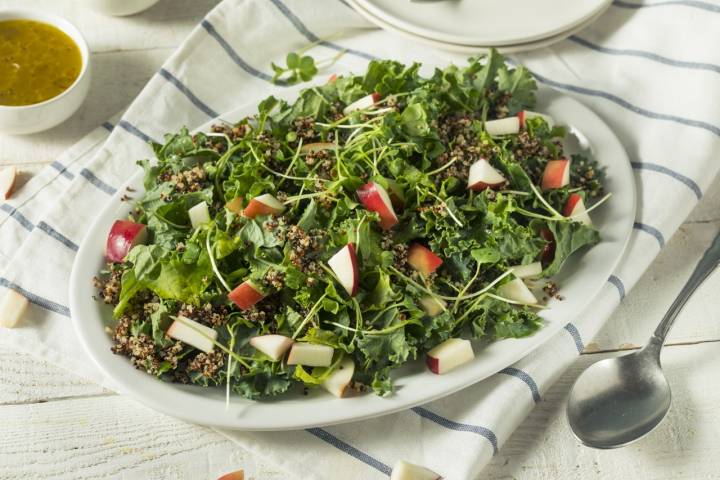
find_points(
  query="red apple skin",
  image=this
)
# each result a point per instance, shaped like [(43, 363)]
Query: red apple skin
[(432, 364), (256, 208), (480, 186), (238, 475), (548, 252), (369, 196), (521, 118), (554, 173), (376, 97), (423, 259), (356, 269), (123, 235), (572, 200), (332, 78), (245, 295)]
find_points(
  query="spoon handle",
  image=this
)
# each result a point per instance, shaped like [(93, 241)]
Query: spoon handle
[(707, 264)]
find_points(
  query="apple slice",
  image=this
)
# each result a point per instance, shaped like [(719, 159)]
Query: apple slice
[(575, 207), (310, 355), (423, 259), (503, 126), (235, 205), (12, 309), (7, 181), (238, 475), (345, 265), (448, 355), (339, 380), (517, 291), (199, 215), (395, 192), (193, 333), (433, 306), (274, 346), (482, 175), (317, 147), (362, 104), (376, 199), (403, 470), (264, 204), (556, 174), (526, 114), (548, 251), (246, 295), (124, 235), (528, 271)]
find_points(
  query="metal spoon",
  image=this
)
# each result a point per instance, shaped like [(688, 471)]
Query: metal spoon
[(618, 400)]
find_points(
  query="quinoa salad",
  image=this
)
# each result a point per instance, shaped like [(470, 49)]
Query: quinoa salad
[(323, 243)]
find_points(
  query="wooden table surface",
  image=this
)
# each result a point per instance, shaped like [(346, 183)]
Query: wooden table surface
[(56, 425)]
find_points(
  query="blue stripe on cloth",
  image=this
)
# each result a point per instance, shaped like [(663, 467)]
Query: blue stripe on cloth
[(525, 377), (62, 169), (57, 236), (460, 427), (688, 3), (689, 182), (714, 129), (300, 27), (648, 55), (618, 284), (234, 55), (202, 106), (108, 126), (652, 231), (575, 334), (92, 178), (133, 130), (36, 299), (327, 437), (17, 216)]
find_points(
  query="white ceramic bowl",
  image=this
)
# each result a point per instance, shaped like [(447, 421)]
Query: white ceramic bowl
[(44, 115), (120, 8)]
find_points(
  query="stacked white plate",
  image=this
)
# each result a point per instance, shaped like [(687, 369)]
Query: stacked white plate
[(471, 26)]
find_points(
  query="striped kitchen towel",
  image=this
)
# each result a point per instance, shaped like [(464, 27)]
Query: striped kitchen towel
[(659, 91)]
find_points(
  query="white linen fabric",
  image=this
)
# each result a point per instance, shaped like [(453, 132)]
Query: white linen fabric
[(645, 68)]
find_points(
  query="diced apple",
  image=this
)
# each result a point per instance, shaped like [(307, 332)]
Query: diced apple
[(193, 333), (451, 353), (528, 271), (395, 192), (274, 346), (264, 204), (376, 199), (362, 104), (310, 355), (7, 181), (482, 175), (517, 291), (503, 126), (124, 235), (317, 147), (575, 208), (526, 114), (238, 475), (199, 215), (556, 174), (345, 265), (12, 308), (339, 380), (423, 259), (246, 295), (433, 306), (409, 471), (235, 205)]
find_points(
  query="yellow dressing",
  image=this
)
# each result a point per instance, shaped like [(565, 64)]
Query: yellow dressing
[(37, 62)]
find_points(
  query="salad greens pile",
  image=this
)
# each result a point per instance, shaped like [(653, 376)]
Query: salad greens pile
[(418, 142)]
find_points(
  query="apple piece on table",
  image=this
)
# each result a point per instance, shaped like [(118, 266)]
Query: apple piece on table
[(123, 236), (310, 355), (482, 175), (403, 470), (237, 475), (524, 115), (274, 346), (423, 259), (433, 306), (12, 308), (8, 175), (503, 126), (264, 204), (235, 205), (556, 174), (517, 291), (246, 295), (529, 270), (575, 208), (193, 333), (345, 266), (363, 103), (339, 380), (376, 199), (450, 354), (199, 214)]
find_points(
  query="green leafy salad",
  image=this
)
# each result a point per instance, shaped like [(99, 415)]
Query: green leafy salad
[(377, 219)]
